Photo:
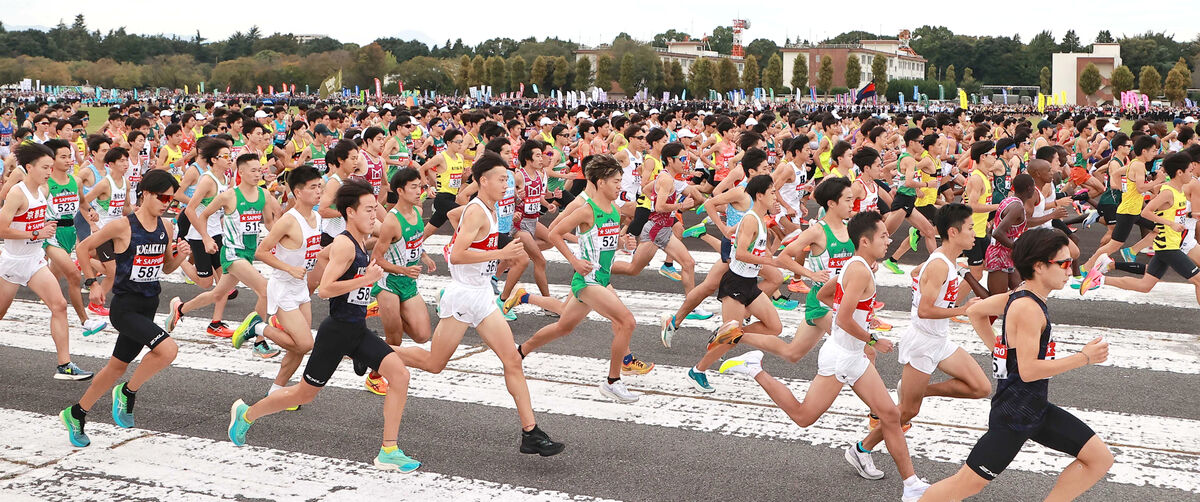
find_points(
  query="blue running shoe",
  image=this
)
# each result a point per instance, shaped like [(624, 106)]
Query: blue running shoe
[(395, 460), (74, 429), (122, 408), (238, 425)]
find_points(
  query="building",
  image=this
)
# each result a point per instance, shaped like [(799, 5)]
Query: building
[(903, 62), (1066, 68), (685, 52)]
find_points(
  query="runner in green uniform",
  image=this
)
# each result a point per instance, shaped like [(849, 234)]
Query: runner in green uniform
[(62, 205), (402, 309), (599, 226), (243, 220)]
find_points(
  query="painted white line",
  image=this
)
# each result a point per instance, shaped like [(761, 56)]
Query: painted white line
[(1163, 452), (124, 463), (1167, 294)]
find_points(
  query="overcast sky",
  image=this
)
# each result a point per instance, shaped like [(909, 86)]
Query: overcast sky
[(600, 21)]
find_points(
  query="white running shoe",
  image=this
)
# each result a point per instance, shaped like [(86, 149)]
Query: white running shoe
[(748, 364), (913, 493), (863, 463), (618, 392)]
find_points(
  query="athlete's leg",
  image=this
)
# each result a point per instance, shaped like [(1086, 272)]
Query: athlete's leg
[(495, 333), (45, 285)]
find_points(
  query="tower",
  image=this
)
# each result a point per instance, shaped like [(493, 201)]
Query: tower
[(738, 26)]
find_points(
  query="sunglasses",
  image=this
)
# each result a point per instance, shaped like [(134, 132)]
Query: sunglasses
[(164, 198), (1063, 264)]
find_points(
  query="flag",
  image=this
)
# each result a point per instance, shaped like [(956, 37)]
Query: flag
[(866, 92)]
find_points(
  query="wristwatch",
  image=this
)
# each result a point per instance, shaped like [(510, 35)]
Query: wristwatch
[(873, 340)]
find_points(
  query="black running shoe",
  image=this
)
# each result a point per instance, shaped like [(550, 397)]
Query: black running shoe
[(536, 441)]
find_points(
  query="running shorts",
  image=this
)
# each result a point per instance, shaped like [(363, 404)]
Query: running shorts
[(337, 339), (1060, 431)]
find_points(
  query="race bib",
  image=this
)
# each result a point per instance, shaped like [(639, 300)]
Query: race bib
[(1000, 360), (146, 268)]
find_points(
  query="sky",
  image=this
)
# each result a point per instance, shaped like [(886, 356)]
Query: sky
[(599, 22)]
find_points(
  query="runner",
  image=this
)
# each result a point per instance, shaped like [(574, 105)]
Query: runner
[(347, 285), (63, 204), (469, 302), (144, 241), (1023, 361), (842, 360)]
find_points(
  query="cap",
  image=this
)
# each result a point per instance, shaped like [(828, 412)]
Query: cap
[(322, 129), (685, 133), (581, 115), (545, 121), (1110, 127), (653, 111), (751, 122), (372, 109), (444, 109), (260, 114), (166, 113)]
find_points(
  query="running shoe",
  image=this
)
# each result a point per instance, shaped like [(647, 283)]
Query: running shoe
[(513, 300), (670, 272), (698, 229), (729, 333), (892, 266), (74, 429), (265, 350), (245, 330), (699, 381), (508, 316), (97, 309), (913, 238), (1092, 217), (668, 330), (1095, 276), (618, 392), (537, 441), (748, 364), (913, 492), (636, 367), (1127, 255), (122, 407), (783, 303), (699, 314), (377, 384), (173, 315), (238, 425), (798, 286), (862, 463), (873, 420), (93, 326), (395, 460), (373, 309), (71, 371), (219, 329)]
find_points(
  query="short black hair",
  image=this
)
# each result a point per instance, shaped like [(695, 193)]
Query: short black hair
[(350, 193), (1037, 245), (831, 189), (863, 224), (951, 216)]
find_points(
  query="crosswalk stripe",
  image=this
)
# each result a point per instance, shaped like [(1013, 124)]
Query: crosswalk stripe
[(121, 463), (1162, 452)]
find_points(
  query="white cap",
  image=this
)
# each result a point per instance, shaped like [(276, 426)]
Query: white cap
[(219, 104), (617, 113), (260, 114), (444, 109), (653, 111), (685, 133), (1189, 120), (166, 113), (545, 121), (581, 115), (388, 106), (750, 122), (372, 109), (1110, 127)]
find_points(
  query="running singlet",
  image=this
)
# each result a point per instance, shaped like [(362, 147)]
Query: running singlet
[(834, 256), (352, 306), (407, 250), (757, 248), (947, 296), (980, 220), (140, 265), (304, 256), (114, 207), (862, 311), (34, 218), (242, 226), (450, 180), (1177, 212), (476, 275), (1017, 404), (598, 245)]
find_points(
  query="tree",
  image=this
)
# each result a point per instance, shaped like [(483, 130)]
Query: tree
[(879, 74), (539, 71), (1104, 37), (853, 72), (772, 77), (969, 83), (750, 73), (825, 75), (1044, 79), (700, 78), (721, 40), (1070, 43), (562, 70), (464, 73), (583, 74), (727, 76), (1089, 80), (478, 73), (951, 77), (497, 74), (931, 72), (627, 78), (800, 71), (1122, 79), (1150, 82), (604, 72), (516, 73)]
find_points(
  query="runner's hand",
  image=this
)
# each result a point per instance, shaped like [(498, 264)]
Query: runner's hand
[(1096, 350)]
